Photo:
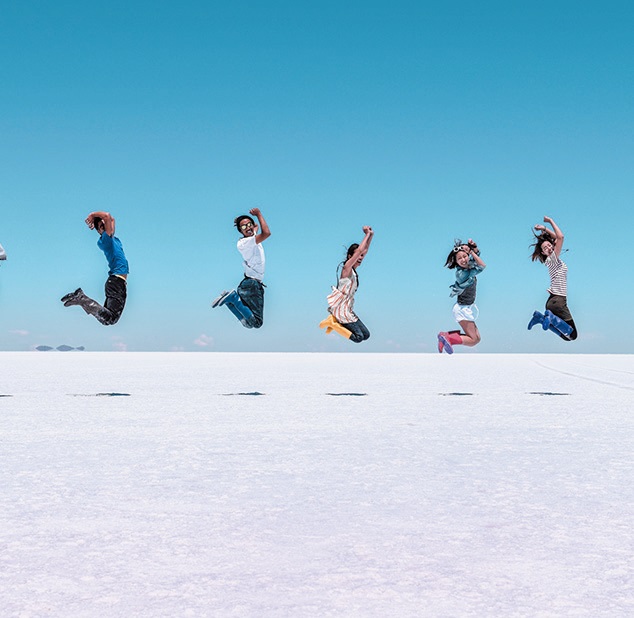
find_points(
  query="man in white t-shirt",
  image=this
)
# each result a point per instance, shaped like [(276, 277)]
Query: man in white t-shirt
[(247, 302)]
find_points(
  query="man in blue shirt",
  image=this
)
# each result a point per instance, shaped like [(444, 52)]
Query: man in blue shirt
[(112, 308)]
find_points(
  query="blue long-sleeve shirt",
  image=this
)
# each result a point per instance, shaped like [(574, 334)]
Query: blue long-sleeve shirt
[(465, 279)]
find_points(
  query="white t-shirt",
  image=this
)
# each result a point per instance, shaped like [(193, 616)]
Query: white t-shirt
[(253, 256)]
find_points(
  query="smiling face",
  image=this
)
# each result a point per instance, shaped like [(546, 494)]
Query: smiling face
[(462, 259), (246, 227), (547, 248)]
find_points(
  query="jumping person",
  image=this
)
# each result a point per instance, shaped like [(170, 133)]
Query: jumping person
[(247, 302), (116, 293), (342, 318), (547, 249), (465, 258)]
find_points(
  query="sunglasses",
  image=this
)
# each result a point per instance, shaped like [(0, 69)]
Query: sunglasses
[(246, 226)]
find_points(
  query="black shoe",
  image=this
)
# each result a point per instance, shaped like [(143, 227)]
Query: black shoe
[(73, 297)]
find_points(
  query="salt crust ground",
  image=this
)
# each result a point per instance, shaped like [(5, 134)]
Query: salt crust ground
[(186, 498)]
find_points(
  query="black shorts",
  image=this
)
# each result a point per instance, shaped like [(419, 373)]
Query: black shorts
[(559, 306)]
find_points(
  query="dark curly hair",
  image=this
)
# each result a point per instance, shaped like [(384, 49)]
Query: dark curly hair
[(237, 220)]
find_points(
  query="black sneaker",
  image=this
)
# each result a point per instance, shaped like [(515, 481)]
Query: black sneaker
[(72, 298)]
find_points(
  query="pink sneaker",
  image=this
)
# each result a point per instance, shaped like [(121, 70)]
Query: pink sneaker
[(443, 343)]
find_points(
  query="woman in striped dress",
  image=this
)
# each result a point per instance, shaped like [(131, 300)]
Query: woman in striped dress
[(547, 250), (342, 318)]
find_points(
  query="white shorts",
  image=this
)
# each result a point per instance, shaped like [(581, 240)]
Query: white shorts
[(465, 312)]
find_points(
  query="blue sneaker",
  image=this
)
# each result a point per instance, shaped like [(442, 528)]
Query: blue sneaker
[(221, 299), (537, 318)]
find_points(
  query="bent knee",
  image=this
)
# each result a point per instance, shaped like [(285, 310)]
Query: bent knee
[(359, 338)]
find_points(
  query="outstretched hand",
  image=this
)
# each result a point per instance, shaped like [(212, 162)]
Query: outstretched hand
[(367, 229), (255, 212)]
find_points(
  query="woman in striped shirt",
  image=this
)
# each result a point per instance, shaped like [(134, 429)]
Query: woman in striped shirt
[(342, 318), (547, 249)]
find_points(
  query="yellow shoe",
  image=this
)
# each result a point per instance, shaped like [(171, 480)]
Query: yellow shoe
[(327, 323), (331, 324)]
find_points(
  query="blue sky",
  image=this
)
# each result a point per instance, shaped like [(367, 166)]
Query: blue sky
[(427, 121)]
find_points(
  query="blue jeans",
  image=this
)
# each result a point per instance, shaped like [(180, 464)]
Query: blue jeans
[(251, 293), (359, 331)]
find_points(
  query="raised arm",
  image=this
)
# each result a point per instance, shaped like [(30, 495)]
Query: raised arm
[(264, 232), (369, 232), (474, 252), (106, 217), (362, 249)]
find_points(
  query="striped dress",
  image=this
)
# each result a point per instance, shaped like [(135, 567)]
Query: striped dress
[(341, 299), (558, 275)]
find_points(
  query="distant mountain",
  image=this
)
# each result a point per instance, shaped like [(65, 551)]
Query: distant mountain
[(60, 348)]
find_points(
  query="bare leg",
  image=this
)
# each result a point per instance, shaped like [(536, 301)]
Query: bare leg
[(472, 334)]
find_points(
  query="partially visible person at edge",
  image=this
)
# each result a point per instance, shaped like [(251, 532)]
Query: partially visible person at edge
[(342, 317), (465, 258), (247, 301), (116, 284), (3, 253), (547, 250)]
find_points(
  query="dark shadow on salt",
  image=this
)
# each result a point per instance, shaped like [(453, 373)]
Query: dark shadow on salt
[(6, 395), (112, 395), (347, 394), (99, 395), (253, 394), (455, 394), (548, 393)]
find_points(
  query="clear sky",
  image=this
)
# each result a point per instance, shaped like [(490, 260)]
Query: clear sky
[(427, 121)]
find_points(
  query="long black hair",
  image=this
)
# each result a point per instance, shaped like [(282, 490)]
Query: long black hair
[(540, 239)]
